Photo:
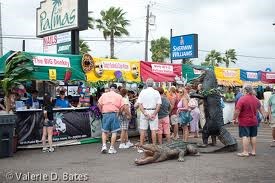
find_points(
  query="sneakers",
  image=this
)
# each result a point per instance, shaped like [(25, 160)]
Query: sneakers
[(51, 149), (140, 151), (104, 149), (129, 144), (45, 149), (123, 146), (112, 150)]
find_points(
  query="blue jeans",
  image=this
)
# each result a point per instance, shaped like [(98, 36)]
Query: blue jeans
[(110, 122)]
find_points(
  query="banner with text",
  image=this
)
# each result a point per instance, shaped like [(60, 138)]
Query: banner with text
[(105, 69), (184, 46), (268, 77), (51, 61), (160, 72), (250, 75), (228, 76)]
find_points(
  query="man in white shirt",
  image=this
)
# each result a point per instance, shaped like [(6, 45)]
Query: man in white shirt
[(149, 101)]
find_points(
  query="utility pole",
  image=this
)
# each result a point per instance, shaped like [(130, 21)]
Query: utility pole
[(147, 33), (171, 35), (1, 39)]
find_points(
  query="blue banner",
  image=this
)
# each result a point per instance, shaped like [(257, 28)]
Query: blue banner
[(184, 46), (250, 75)]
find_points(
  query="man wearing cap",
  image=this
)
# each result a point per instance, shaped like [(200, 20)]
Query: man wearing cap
[(149, 101), (271, 113), (246, 112), (110, 103)]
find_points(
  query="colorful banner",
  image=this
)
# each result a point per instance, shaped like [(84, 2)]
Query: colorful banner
[(250, 75), (160, 72), (228, 76), (268, 77), (111, 69)]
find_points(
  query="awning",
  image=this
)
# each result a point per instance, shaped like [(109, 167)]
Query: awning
[(44, 62)]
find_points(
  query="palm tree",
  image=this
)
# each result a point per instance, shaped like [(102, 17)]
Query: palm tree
[(83, 47), (213, 58), (91, 21), (160, 49), (230, 56), (113, 24), (19, 67)]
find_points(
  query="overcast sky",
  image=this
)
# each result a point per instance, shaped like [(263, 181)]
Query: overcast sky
[(245, 25)]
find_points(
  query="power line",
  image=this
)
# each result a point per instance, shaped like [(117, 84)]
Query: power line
[(124, 40)]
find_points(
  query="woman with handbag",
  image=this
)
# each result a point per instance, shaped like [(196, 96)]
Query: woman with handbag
[(184, 112)]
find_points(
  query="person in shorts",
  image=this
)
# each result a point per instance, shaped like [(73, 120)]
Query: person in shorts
[(271, 113), (48, 122), (149, 101), (246, 112), (163, 117), (174, 100), (125, 117), (110, 104)]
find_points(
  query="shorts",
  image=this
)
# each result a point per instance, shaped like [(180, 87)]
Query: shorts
[(164, 126), (174, 119), (272, 122), (124, 123), (144, 122), (248, 131), (110, 122), (48, 123)]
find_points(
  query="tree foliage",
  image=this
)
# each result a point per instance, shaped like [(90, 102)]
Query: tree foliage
[(113, 24), (83, 47), (230, 57), (160, 49), (214, 58)]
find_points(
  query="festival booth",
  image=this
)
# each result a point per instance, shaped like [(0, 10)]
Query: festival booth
[(160, 72), (228, 77), (71, 123), (122, 72)]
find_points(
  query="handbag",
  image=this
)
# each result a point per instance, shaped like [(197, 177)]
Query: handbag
[(185, 117)]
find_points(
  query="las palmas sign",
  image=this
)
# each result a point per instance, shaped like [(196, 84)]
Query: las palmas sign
[(56, 16), (184, 46)]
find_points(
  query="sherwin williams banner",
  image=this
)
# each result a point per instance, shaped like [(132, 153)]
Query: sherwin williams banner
[(105, 69), (268, 77), (160, 72), (228, 76), (250, 75)]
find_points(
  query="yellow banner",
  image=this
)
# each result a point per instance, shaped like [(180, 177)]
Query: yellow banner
[(232, 76), (113, 69), (52, 74)]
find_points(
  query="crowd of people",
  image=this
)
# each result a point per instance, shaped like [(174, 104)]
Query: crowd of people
[(159, 113), (162, 114)]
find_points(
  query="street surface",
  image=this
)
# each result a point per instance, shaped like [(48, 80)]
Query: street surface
[(84, 162)]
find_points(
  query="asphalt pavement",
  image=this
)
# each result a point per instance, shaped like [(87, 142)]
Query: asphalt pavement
[(85, 163)]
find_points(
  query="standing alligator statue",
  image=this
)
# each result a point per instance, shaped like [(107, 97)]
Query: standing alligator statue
[(157, 153), (214, 125)]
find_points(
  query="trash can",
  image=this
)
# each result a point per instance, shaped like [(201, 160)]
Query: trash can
[(7, 125)]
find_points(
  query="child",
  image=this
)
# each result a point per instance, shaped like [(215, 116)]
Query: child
[(48, 123), (195, 113)]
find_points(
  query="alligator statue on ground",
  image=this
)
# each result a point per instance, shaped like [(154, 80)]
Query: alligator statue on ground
[(158, 153), (214, 125)]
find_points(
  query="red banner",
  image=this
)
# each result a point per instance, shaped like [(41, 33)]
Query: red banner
[(268, 77), (160, 72)]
